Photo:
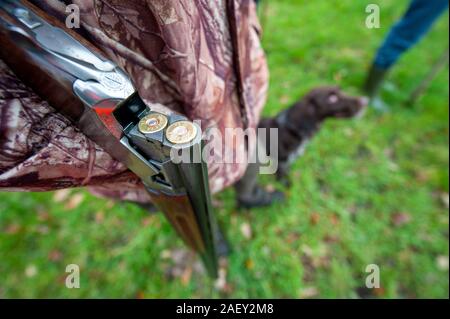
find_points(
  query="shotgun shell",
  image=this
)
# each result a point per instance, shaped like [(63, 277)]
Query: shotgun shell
[(152, 123), (181, 132)]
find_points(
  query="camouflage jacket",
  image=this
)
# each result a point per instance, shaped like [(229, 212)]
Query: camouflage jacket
[(214, 70)]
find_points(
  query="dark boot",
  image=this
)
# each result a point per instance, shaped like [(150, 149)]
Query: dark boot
[(259, 198), (374, 80)]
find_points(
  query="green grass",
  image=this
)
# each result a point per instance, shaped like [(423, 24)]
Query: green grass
[(366, 191)]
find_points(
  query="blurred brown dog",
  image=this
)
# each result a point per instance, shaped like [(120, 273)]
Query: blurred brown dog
[(298, 124)]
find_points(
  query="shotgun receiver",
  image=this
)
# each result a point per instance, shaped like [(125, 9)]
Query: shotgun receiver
[(72, 75)]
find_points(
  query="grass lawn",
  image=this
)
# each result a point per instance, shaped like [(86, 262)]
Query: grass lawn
[(369, 191)]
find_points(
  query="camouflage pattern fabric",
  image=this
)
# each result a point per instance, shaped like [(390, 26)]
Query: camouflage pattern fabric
[(201, 58)]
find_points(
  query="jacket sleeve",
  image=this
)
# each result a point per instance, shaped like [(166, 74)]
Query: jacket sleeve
[(200, 58)]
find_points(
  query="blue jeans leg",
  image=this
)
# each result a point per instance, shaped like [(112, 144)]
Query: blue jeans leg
[(417, 20)]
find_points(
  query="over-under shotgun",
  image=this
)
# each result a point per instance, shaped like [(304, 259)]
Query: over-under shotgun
[(74, 77)]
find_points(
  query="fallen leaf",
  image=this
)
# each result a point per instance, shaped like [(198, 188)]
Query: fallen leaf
[(423, 175), (221, 280), (246, 230), (228, 289), (293, 237), (12, 229), (43, 216), (147, 221), (285, 85), (270, 188), (319, 257), (309, 292), (216, 203), (335, 219), (442, 263), (392, 166), (140, 295), (61, 195), (284, 99), (400, 219), (54, 255), (186, 276), (179, 256), (314, 218), (249, 264), (31, 271), (389, 152), (99, 217), (42, 229), (331, 239), (307, 250), (309, 270), (348, 132), (110, 204), (405, 255), (165, 254), (223, 262), (337, 77), (74, 201), (198, 267), (182, 263), (379, 292), (445, 200)]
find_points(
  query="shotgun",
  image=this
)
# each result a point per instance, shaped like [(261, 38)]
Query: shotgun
[(99, 98)]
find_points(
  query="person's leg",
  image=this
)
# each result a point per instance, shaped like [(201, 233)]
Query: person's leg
[(252, 195), (415, 23), (249, 194), (245, 186)]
